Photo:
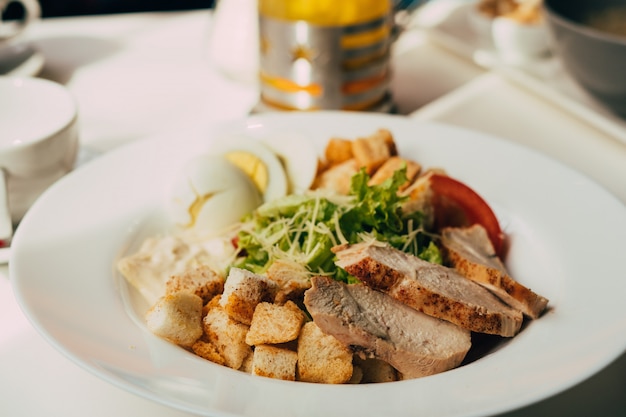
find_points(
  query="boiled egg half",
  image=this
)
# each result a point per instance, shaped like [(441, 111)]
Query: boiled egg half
[(257, 161), (298, 158), (215, 190), (211, 194)]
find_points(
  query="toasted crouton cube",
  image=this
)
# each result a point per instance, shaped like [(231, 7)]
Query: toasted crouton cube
[(246, 366), (322, 358), (393, 164), (273, 323), (338, 177), (243, 290), (291, 278), (274, 362), (357, 375), (371, 152), (387, 137), (322, 166), (202, 281), (228, 336), (176, 317), (208, 351), (214, 302), (420, 196), (337, 151), (375, 370)]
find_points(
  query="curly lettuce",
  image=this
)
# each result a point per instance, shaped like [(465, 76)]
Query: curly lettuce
[(304, 228)]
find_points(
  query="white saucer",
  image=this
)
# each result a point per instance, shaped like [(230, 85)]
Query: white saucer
[(5, 254), (30, 67)]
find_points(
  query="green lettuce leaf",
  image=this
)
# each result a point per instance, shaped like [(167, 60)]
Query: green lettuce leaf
[(303, 228)]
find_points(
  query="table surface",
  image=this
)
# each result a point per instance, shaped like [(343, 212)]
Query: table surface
[(136, 75)]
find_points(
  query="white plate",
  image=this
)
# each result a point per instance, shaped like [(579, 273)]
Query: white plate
[(566, 242)]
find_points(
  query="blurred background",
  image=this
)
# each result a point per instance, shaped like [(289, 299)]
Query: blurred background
[(54, 8)]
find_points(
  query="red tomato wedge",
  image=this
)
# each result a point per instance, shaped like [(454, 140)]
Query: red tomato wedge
[(457, 205)]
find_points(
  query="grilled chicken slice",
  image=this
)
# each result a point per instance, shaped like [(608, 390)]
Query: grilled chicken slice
[(433, 289), (469, 251), (414, 343)]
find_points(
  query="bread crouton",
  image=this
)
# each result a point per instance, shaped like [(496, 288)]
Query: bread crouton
[(337, 177), (228, 336), (337, 151), (375, 370), (246, 366), (390, 166), (201, 280), (243, 290), (274, 362), (214, 302), (291, 278), (176, 317), (372, 151), (420, 196), (322, 358), (357, 375), (208, 351), (387, 137), (273, 323)]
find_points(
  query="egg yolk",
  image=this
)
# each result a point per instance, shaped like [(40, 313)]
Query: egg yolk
[(252, 165)]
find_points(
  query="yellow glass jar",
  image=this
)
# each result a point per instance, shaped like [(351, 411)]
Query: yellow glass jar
[(323, 54)]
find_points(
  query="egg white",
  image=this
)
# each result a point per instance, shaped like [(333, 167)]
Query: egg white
[(277, 185), (211, 194), (298, 156)]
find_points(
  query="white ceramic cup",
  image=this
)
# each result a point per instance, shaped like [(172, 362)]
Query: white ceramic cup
[(11, 29), (518, 42), (38, 143)]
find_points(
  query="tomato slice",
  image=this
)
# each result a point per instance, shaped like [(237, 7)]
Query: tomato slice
[(457, 205)]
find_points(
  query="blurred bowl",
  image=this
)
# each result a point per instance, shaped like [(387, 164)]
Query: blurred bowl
[(585, 37)]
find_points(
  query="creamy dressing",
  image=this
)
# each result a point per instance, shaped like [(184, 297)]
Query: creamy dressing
[(160, 257)]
